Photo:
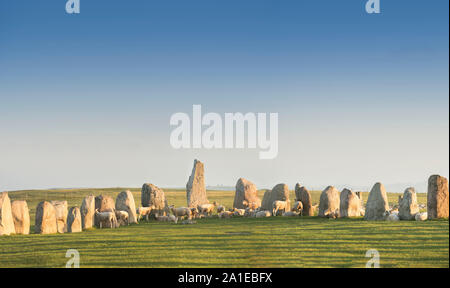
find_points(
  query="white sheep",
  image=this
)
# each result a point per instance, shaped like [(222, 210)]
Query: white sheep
[(181, 212), (220, 209), (226, 214), (107, 217), (206, 209), (278, 206), (261, 214), (122, 217), (393, 216), (421, 216), (238, 212), (290, 214), (298, 206), (144, 212)]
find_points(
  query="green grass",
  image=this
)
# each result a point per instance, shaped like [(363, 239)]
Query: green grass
[(236, 242)]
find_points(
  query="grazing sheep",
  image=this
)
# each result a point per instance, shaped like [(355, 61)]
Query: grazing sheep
[(261, 214), (181, 212), (279, 206), (238, 212), (226, 214), (421, 216), (170, 218), (290, 214), (194, 213), (298, 207), (393, 216), (220, 209), (122, 217), (108, 218), (251, 205), (144, 212), (206, 209)]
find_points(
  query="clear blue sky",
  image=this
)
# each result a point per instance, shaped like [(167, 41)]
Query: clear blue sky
[(85, 100)]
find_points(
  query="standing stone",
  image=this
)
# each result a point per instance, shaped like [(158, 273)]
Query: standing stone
[(125, 202), (350, 204), (74, 220), (407, 206), (246, 195), (377, 203), (45, 219), (21, 216), (88, 212), (104, 203), (437, 198), (61, 215), (6, 218), (329, 202), (195, 187), (278, 193), (302, 194), (151, 195)]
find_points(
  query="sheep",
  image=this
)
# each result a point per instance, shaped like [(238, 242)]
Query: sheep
[(421, 216), (238, 212), (392, 216), (249, 212), (220, 209), (278, 206), (144, 212), (107, 217), (225, 214), (298, 207), (181, 212), (194, 213), (206, 209), (122, 217), (261, 214), (290, 214), (169, 218)]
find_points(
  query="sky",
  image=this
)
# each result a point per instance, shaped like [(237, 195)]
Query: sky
[(86, 99)]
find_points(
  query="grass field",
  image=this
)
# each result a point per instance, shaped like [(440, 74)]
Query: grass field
[(237, 242)]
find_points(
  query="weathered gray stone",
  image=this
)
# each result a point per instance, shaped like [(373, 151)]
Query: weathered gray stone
[(61, 215), (45, 221), (302, 194), (407, 206), (278, 193), (246, 195), (6, 218), (437, 198), (329, 202), (21, 216), (74, 220), (88, 212), (350, 204), (152, 195), (104, 203), (195, 187), (125, 202), (377, 203)]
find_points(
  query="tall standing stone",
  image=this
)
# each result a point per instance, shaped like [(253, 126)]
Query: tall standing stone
[(45, 221), (6, 218), (74, 220), (377, 203), (350, 204), (195, 187), (278, 193), (125, 202), (88, 212), (246, 192), (61, 215), (407, 206), (329, 202), (152, 195), (302, 194), (104, 203), (21, 216), (437, 198)]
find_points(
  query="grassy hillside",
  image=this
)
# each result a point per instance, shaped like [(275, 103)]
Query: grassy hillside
[(237, 242)]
